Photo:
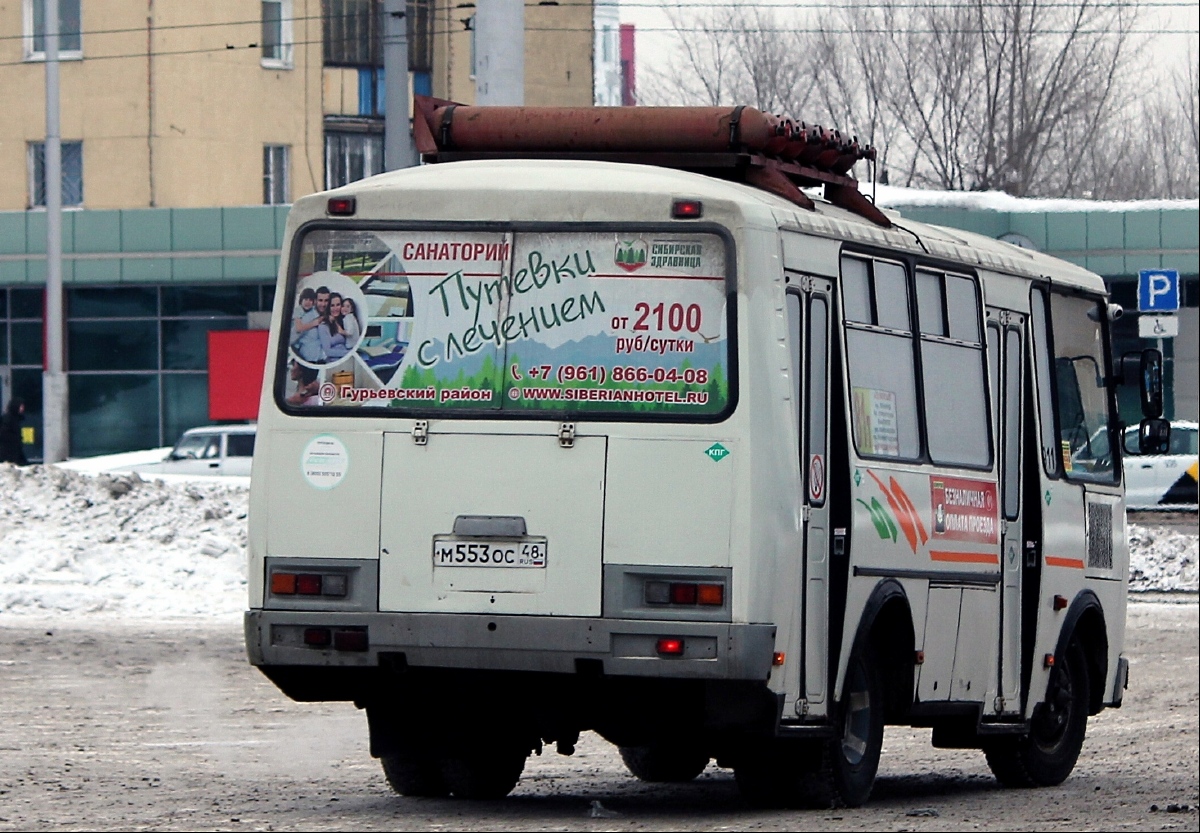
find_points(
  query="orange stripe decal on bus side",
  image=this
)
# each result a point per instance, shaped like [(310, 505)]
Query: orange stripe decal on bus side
[(1059, 561), (965, 557)]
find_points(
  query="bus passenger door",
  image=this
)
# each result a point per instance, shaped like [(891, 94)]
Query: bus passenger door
[(810, 308), (1006, 333)]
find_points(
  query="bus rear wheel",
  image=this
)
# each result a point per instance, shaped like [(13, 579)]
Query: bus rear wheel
[(1046, 756), (485, 771), (415, 774), (664, 762)]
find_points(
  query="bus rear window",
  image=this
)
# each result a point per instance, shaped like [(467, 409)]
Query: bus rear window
[(597, 323)]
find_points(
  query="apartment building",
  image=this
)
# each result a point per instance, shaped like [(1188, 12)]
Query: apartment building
[(187, 128)]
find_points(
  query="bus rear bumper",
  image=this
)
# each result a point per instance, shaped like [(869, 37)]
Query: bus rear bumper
[(564, 645)]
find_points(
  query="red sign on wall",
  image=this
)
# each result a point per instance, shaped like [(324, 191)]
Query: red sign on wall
[(236, 359)]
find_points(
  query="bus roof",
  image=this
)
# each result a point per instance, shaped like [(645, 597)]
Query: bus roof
[(598, 191)]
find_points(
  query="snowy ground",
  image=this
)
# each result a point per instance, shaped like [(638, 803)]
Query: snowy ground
[(85, 539)]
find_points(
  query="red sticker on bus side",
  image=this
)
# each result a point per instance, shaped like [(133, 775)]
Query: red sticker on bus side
[(816, 478), (964, 510)]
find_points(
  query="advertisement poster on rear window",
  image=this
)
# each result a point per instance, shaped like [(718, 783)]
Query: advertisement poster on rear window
[(603, 323)]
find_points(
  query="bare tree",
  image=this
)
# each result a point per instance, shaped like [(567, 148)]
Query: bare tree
[(703, 72), (733, 55), (1025, 96), (1153, 152)]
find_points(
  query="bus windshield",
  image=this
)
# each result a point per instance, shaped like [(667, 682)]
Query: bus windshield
[(478, 322)]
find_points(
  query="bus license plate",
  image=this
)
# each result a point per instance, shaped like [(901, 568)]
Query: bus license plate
[(478, 552)]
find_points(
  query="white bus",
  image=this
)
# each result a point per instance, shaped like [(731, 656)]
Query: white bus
[(718, 471)]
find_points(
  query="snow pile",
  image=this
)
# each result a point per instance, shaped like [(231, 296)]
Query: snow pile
[(892, 196), (76, 540), (1162, 558), (75, 543)]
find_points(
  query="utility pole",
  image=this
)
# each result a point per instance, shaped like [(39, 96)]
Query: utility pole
[(399, 149), (500, 53), (55, 407)]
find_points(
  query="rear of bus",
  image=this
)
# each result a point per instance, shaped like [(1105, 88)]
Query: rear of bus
[(502, 479)]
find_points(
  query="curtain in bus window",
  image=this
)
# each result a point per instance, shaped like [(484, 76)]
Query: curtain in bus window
[(953, 368), (1080, 369)]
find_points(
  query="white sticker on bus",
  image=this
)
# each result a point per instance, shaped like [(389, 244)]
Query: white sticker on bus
[(324, 461)]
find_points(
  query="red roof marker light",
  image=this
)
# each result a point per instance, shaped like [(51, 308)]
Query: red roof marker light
[(340, 206), (687, 209)]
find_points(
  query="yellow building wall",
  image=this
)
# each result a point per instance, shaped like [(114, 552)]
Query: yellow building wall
[(171, 117), (200, 112), (558, 54)]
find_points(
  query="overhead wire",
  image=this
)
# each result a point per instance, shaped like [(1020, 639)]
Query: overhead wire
[(799, 30), (791, 6)]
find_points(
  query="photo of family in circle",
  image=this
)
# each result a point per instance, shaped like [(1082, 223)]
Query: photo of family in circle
[(327, 321)]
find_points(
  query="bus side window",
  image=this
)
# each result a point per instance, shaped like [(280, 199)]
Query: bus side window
[(953, 370), (879, 349)]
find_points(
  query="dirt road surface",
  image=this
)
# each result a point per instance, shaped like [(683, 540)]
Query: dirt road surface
[(132, 727)]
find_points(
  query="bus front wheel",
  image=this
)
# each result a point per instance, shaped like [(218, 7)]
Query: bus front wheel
[(1046, 756)]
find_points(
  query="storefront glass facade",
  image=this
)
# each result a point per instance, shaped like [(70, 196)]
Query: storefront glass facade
[(137, 358)]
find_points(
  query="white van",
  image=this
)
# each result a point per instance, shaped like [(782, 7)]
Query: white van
[(717, 471)]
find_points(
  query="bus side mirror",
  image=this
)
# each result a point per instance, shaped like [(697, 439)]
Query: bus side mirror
[(1147, 365), (1154, 436)]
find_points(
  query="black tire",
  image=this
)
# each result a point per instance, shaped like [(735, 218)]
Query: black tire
[(664, 763), (851, 758), (1046, 756), (415, 774), (485, 772)]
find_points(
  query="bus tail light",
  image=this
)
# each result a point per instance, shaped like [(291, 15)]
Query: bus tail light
[(340, 639), (308, 584), (317, 637), (670, 647), (684, 593)]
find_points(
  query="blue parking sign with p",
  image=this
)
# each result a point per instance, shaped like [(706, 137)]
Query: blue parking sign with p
[(1158, 290)]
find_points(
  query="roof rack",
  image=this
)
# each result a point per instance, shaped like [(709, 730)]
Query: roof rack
[(743, 144)]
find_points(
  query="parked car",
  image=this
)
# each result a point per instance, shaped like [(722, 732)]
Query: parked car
[(1162, 481), (212, 449)]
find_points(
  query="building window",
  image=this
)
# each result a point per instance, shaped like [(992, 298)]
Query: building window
[(352, 33), (275, 175), (350, 157), (70, 42), (420, 35), (277, 34), (72, 174)]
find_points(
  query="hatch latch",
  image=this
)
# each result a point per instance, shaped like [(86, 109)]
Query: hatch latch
[(566, 435), (421, 432)]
